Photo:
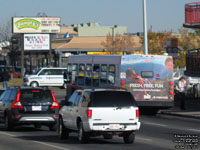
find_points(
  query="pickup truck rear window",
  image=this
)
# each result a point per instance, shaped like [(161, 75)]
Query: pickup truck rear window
[(111, 99)]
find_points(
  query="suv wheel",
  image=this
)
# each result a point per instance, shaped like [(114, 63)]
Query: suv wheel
[(82, 135), (64, 85), (63, 133), (129, 138), (34, 84), (7, 123)]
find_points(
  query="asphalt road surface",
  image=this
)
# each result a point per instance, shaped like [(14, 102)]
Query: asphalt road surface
[(157, 133)]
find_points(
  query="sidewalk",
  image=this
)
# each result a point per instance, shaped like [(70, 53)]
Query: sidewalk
[(175, 111)]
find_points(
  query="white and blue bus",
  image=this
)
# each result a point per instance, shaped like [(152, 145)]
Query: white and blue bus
[(148, 77)]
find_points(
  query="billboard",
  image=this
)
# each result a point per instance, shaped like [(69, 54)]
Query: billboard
[(36, 25), (104, 53), (36, 42)]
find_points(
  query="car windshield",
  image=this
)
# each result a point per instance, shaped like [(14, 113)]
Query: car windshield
[(111, 99), (35, 96), (36, 72)]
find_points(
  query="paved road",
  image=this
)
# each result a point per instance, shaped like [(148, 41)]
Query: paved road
[(159, 132)]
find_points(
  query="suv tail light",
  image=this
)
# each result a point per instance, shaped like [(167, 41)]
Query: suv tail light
[(137, 113), (17, 103), (55, 104), (89, 113)]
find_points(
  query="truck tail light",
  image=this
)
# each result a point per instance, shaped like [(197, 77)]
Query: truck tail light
[(137, 113), (171, 93), (171, 88), (89, 113), (123, 84)]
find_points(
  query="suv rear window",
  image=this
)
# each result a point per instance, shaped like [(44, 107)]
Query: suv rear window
[(35, 96), (111, 99)]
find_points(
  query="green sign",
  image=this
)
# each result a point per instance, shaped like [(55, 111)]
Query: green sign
[(27, 23)]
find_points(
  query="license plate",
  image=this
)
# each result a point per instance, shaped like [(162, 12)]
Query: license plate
[(36, 108), (114, 126)]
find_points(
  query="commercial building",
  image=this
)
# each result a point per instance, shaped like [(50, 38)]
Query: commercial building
[(72, 39)]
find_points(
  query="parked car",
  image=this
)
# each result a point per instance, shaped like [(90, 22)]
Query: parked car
[(46, 77), (97, 112), (14, 72), (27, 105)]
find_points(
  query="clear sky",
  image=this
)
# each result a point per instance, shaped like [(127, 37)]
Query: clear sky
[(162, 15)]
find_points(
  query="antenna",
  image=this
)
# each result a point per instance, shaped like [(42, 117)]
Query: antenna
[(41, 14)]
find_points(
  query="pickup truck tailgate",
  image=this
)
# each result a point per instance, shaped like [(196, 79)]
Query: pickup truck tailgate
[(114, 114)]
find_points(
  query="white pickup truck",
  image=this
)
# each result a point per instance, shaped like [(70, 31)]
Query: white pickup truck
[(98, 112)]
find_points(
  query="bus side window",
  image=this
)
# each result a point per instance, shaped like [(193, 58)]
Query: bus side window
[(74, 73), (88, 75), (111, 74), (103, 78), (96, 70), (81, 74)]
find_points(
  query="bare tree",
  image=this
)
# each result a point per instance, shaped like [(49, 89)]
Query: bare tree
[(5, 31), (119, 43)]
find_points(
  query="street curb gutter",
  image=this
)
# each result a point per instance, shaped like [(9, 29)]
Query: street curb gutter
[(180, 115)]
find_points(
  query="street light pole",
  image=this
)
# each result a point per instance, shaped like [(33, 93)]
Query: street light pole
[(145, 28), (115, 26)]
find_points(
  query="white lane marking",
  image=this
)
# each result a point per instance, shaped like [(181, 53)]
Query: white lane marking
[(50, 145), (155, 124), (5, 133), (145, 139), (12, 135), (195, 130)]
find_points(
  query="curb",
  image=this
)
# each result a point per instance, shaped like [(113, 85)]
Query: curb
[(180, 115)]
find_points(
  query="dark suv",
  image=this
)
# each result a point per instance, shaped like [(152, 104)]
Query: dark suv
[(27, 105)]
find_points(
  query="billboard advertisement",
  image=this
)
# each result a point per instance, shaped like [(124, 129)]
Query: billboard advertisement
[(148, 78), (36, 25), (36, 42)]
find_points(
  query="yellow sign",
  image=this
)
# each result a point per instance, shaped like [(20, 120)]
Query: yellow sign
[(27, 23), (104, 53)]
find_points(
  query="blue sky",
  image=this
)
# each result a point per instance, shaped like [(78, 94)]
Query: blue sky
[(162, 15)]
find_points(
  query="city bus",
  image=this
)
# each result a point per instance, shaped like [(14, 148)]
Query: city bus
[(148, 77)]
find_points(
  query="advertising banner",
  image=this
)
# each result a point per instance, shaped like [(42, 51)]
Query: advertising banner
[(147, 77), (36, 25), (36, 42)]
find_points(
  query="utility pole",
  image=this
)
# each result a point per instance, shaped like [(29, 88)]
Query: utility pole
[(145, 28), (22, 55)]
